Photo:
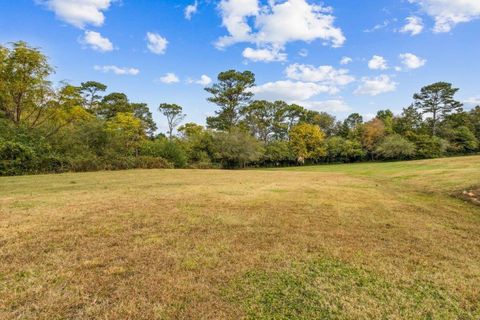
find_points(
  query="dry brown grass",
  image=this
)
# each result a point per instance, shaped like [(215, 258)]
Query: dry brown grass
[(199, 244)]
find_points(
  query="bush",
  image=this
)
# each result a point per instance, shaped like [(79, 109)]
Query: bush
[(278, 153), (85, 163), (343, 150), (395, 147), (428, 146), (16, 158), (170, 150), (462, 140), (146, 162), (52, 163), (236, 148)]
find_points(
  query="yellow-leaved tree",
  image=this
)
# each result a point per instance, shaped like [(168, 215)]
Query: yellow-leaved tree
[(307, 142), (127, 130)]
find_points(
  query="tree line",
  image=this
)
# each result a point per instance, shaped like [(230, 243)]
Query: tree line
[(57, 128)]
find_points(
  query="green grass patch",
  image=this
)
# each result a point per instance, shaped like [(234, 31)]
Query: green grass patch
[(328, 289)]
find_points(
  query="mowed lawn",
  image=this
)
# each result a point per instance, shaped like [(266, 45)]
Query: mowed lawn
[(357, 241)]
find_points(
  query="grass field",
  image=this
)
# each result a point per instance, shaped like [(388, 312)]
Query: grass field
[(357, 241)]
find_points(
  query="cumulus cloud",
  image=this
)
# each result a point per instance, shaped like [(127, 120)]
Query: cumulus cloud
[(414, 26), (288, 90), (265, 55), (326, 75), (169, 78), (117, 70), (346, 60), (190, 10), (334, 105), (300, 93), (378, 63), (304, 83), (203, 81), (376, 85), (277, 23), (156, 43), (96, 41), (411, 61), (79, 13), (448, 13)]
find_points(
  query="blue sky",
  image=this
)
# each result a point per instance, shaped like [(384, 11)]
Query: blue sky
[(339, 56)]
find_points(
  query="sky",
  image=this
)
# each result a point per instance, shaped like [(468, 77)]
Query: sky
[(339, 56)]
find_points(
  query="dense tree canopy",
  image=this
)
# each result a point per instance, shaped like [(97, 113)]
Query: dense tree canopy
[(56, 128)]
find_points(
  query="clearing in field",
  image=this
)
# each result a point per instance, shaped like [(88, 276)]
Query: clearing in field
[(360, 241)]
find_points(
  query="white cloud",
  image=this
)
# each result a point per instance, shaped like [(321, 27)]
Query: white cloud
[(203, 81), (334, 105), (346, 60), (288, 90), (303, 53), (378, 63), (411, 61), (79, 12), (474, 101), (376, 85), (325, 75), (277, 23), (117, 70), (190, 10), (234, 17), (413, 26), (96, 41), (169, 78), (448, 13), (369, 116), (265, 55), (377, 27), (156, 43), (300, 93), (304, 83)]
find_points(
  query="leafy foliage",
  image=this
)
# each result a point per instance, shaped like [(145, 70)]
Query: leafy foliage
[(236, 148), (395, 147), (437, 101), (231, 94), (307, 142), (47, 128)]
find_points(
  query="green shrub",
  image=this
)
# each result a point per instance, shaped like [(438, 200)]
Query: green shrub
[(236, 148), (395, 147), (147, 162), (278, 153), (85, 163), (428, 146), (344, 150), (169, 150), (52, 163), (462, 140), (16, 158)]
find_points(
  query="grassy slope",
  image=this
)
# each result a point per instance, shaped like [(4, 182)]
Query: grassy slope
[(346, 241)]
